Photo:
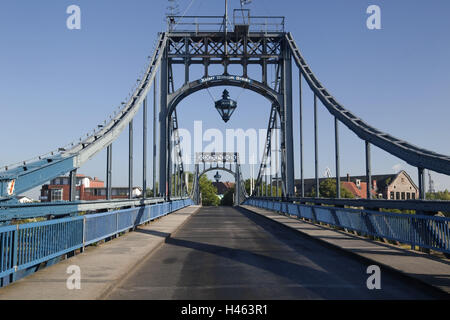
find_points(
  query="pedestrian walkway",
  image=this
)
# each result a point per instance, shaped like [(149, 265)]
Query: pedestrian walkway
[(102, 267), (418, 266)]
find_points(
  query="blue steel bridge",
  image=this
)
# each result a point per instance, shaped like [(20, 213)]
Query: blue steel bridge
[(200, 42)]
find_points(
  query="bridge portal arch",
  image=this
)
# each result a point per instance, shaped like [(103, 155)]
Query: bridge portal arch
[(226, 162), (222, 80), (277, 100)]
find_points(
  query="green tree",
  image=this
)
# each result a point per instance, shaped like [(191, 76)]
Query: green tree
[(440, 195), (227, 199), (149, 192), (327, 189), (271, 189), (209, 192)]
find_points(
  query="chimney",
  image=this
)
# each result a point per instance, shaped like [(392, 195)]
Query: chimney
[(348, 177)]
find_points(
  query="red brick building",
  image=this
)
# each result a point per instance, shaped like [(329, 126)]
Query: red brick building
[(87, 189)]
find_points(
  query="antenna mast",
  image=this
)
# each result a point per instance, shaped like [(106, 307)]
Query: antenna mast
[(173, 8)]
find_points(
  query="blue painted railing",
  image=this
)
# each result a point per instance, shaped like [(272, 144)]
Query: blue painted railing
[(28, 245), (417, 230)]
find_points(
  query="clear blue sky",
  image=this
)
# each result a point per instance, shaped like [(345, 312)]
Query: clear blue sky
[(57, 85)]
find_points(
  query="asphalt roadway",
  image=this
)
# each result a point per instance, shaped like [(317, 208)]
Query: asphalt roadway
[(231, 254)]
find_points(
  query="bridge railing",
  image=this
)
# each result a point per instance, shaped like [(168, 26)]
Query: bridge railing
[(428, 232), (260, 24), (28, 245), (421, 206)]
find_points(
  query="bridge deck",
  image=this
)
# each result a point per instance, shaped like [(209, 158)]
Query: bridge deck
[(224, 253)]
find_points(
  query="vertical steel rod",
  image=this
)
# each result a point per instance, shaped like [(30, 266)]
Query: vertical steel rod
[(288, 134), (422, 194), (109, 172), (302, 178), (276, 155), (130, 160), (175, 179), (155, 121), (163, 126), (368, 171), (73, 187), (169, 159), (316, 148), (338, 170), (144, 151)]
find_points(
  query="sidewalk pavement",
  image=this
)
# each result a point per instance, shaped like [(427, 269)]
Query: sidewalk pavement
[(102, 267), (415, 265)]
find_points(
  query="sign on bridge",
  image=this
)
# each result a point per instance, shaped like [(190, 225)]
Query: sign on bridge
[(212, 157)]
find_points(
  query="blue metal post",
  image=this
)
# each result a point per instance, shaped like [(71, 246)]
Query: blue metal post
[(15, 253)]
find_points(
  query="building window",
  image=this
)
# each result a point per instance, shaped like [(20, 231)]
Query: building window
[(408, 196), (413, 196), (56, 195), (397, 196), (403, 196), (392, 195)]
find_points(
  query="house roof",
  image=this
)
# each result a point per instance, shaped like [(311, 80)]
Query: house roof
[(357, 192), (223, 187)]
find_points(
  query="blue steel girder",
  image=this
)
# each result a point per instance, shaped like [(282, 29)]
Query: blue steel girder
[(34, 174), (33, 210)]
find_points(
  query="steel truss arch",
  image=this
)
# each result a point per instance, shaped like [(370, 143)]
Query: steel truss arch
[(222, 80)]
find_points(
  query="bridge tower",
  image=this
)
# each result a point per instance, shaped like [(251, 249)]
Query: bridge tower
[(204, 41)]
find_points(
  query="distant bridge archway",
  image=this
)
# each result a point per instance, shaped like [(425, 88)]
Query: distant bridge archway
[(226, 162)]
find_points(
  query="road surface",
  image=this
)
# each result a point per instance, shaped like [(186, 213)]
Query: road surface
[(227, 253)]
